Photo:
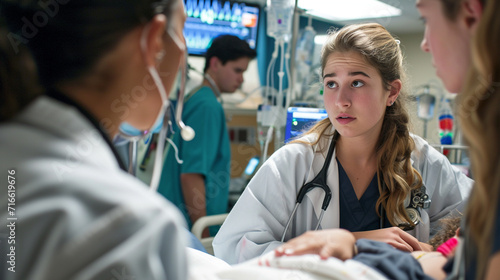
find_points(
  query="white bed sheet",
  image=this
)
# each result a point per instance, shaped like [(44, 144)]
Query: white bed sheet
[(203, 266)]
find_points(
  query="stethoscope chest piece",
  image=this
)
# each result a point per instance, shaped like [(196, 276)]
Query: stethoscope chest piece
[(414, 216), (419, 199)]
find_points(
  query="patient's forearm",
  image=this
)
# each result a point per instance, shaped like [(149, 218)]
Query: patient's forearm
[(432, 263)]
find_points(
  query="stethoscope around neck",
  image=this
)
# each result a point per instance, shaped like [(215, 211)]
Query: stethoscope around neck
[(418, 197), (318, 182), (210, 81), (214, 86)]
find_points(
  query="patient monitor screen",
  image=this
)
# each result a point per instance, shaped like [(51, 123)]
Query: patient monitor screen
[(299, 120), (208, 19)]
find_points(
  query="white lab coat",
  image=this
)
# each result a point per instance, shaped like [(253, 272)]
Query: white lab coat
[(79, 216), (256, 223)]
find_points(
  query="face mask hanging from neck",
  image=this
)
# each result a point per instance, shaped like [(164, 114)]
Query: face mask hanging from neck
[(162, 121), (127, 130)]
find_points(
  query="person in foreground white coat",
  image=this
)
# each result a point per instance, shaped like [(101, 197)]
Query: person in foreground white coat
[(73, 212), (376, 163)]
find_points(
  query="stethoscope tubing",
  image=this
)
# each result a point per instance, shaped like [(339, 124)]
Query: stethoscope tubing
[(318, 182)]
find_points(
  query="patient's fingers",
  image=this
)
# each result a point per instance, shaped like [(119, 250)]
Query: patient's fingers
[(393, 236), (336, 251), (405, 242), (400, 244), (308, 243), (426, 247), (411, 240)]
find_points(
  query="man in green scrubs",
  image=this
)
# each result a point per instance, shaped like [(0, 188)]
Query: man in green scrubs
[(200, 185)]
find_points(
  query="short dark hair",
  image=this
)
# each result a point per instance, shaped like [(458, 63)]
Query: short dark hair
[(227, 48)]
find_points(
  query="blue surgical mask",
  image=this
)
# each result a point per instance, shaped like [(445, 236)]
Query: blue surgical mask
[(162, 121), (130, 130), (132, 133)]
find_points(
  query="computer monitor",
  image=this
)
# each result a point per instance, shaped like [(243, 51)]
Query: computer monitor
[(208, 19), (299, 120)]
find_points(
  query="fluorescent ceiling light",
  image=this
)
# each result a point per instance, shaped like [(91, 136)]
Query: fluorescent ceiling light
[(343, 10)]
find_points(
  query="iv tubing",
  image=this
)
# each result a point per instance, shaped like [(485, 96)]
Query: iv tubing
[(270, 70), (270, 82), (281, 73), (280, 44), (268, 139), (279, 102), (290, 84)]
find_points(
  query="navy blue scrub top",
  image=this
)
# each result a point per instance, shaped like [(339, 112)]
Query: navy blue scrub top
[(358, 215)]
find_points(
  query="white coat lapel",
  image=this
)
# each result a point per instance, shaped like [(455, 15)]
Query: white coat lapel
[(422, 229)]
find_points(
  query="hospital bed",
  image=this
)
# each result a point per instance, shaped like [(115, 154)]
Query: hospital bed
[(269, 267), (204, 222)]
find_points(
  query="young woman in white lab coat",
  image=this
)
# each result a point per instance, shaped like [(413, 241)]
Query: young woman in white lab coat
[(375, 166), (73, 210)]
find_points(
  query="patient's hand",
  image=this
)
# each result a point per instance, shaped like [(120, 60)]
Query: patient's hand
[(393, 236), (426, 247), (337, 243)]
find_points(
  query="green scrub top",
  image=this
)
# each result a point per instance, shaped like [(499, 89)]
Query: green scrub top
[(208, 154)]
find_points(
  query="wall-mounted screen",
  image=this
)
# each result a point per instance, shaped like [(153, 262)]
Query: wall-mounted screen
[(208, 19)]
